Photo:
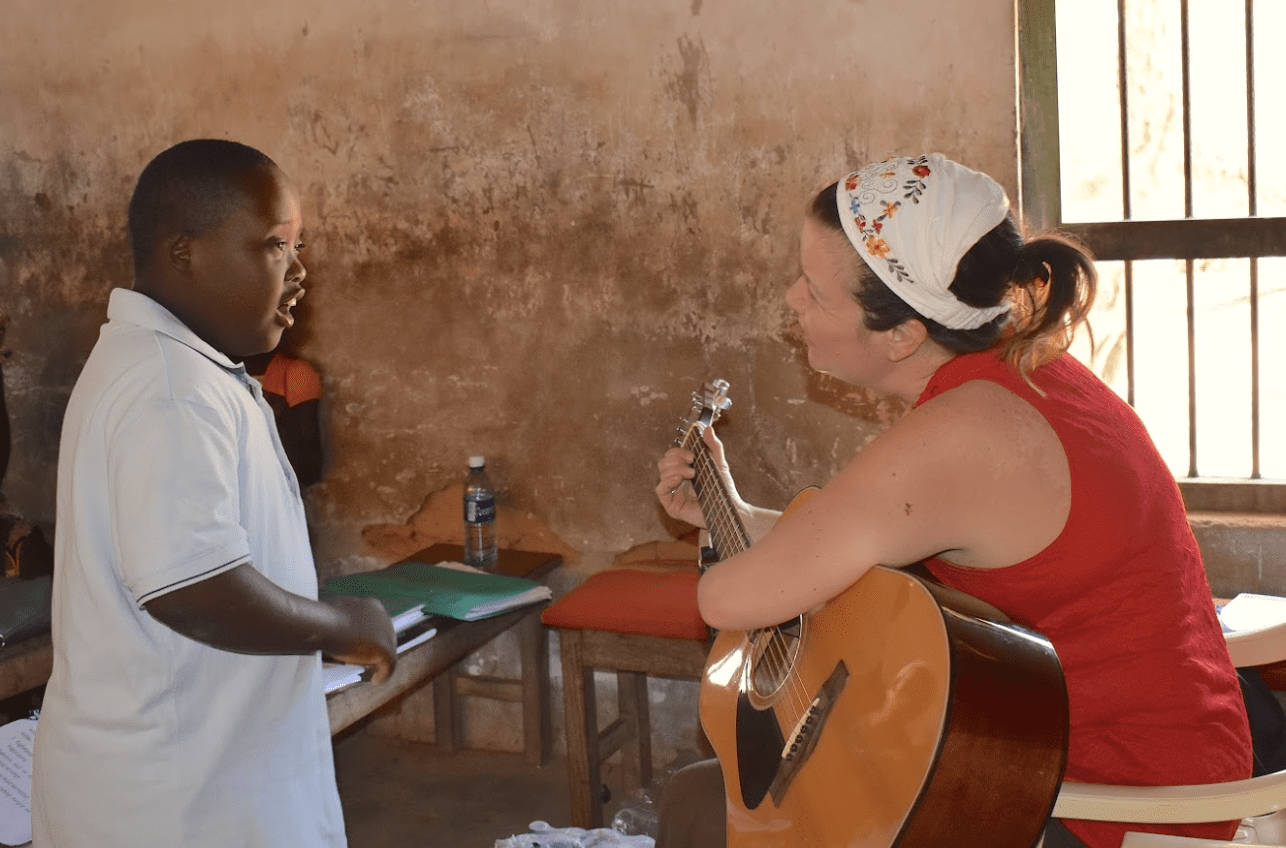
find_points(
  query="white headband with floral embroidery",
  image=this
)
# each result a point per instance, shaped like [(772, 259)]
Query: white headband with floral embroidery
[(912, 220)]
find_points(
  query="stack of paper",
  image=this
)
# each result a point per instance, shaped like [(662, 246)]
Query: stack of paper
[(412, 627), (16, 739), (1249, 611), (443, 589), (409, 617), (336, 676)]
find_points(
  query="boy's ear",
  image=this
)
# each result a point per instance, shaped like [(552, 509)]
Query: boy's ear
[(178, 252), (906, 338)]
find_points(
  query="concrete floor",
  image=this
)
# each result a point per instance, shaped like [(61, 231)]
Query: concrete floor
[(399, 794)]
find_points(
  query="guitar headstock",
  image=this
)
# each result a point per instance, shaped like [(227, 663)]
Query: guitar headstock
[(707, 405)]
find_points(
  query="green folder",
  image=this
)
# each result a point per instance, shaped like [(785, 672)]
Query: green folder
[(466, 595)]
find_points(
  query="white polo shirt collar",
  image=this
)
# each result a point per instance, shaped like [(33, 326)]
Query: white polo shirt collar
[(135, 308)]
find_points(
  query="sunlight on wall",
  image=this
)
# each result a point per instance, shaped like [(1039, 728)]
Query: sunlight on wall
[(1093, 191)]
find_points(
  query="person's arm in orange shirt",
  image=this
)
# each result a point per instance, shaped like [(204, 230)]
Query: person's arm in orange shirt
[(293, 388)]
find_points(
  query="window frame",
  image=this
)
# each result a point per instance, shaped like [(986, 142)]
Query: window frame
[(1040, 192)]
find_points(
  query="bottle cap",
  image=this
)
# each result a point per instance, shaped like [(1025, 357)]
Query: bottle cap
[(477, 461)]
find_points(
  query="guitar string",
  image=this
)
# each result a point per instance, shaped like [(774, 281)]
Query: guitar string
[(792, 682), (724, 524), (792, 699), (777, 656), (729, 538), (725, 528), (728, 534)]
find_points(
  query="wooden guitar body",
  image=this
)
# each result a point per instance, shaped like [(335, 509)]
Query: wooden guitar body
[(901, 714), (920, 717)]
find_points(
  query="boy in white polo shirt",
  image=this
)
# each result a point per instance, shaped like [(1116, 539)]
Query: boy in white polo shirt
[(185, 706)]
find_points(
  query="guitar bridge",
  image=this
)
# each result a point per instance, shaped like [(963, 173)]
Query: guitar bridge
[(808, 729)]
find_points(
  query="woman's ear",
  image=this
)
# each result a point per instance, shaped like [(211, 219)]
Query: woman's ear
[(906, 338)]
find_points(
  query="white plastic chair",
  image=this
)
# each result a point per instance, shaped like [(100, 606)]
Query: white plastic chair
[(1260, 802)]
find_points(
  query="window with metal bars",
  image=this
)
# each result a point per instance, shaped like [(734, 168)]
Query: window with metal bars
[(1150, 130)]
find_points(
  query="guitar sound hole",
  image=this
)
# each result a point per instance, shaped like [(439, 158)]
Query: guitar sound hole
[(774, 652)]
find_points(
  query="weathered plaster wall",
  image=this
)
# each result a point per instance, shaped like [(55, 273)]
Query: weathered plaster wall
[(534, 226)]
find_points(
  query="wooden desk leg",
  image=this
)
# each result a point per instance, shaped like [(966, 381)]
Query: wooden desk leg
[(446, 718), (632, 705), (533, 641), (580, 706)]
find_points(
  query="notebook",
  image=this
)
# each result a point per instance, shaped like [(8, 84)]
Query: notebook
[(412, 627), (449, 589), (1250, 611)]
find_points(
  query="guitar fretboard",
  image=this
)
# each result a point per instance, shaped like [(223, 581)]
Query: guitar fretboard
[(727, 534)]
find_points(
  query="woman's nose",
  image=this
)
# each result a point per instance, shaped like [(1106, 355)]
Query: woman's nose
[(795, 294)]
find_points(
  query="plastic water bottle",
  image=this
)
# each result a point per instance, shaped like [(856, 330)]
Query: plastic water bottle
[(637, 817), (479, 515)]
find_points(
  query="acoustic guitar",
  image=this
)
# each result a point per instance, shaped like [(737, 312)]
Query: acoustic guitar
[(901, 713)]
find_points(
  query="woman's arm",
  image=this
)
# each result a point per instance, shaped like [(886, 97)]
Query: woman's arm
[(976, 475), (241, 610)]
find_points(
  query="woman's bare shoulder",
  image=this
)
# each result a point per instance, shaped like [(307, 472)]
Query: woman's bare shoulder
[(986, 467)]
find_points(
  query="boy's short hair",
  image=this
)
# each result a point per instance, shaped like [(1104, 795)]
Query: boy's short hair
[(192, 188)]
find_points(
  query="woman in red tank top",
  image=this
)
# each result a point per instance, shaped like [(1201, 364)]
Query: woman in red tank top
[(1016, 476)]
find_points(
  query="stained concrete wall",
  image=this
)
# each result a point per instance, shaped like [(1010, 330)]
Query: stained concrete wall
[(533, 229), (533, 226)]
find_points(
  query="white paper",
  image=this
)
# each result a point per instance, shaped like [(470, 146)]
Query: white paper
[(1249, 611), (531, 596), (16, 739), (409, 618), (336, 676), (416, 640)]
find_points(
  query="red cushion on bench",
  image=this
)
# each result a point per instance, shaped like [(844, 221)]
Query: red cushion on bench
[(629, 600)]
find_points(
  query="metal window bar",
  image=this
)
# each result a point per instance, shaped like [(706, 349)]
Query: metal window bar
[(1253, 208), (1126, 240), (1190, 311), (1123, 85), (1189, 264)]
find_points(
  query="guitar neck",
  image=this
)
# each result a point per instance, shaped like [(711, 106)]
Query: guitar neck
[(727, 533)]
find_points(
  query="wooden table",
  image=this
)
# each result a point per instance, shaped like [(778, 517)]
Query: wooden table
[(27, 664), (437, 660)]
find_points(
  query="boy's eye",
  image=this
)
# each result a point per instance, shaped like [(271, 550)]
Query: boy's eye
[(300, 247)]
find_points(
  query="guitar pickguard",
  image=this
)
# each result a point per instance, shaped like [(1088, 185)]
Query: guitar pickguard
[(759, 746), (768, 761)]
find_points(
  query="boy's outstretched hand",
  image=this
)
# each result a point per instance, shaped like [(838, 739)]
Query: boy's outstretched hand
[(242, 610), (374, 643)]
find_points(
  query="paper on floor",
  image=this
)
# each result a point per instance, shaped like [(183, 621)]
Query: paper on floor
[(543, 835)]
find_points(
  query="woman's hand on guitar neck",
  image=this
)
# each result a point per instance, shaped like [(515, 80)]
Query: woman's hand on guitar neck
[(675, 491), (679, 499)]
